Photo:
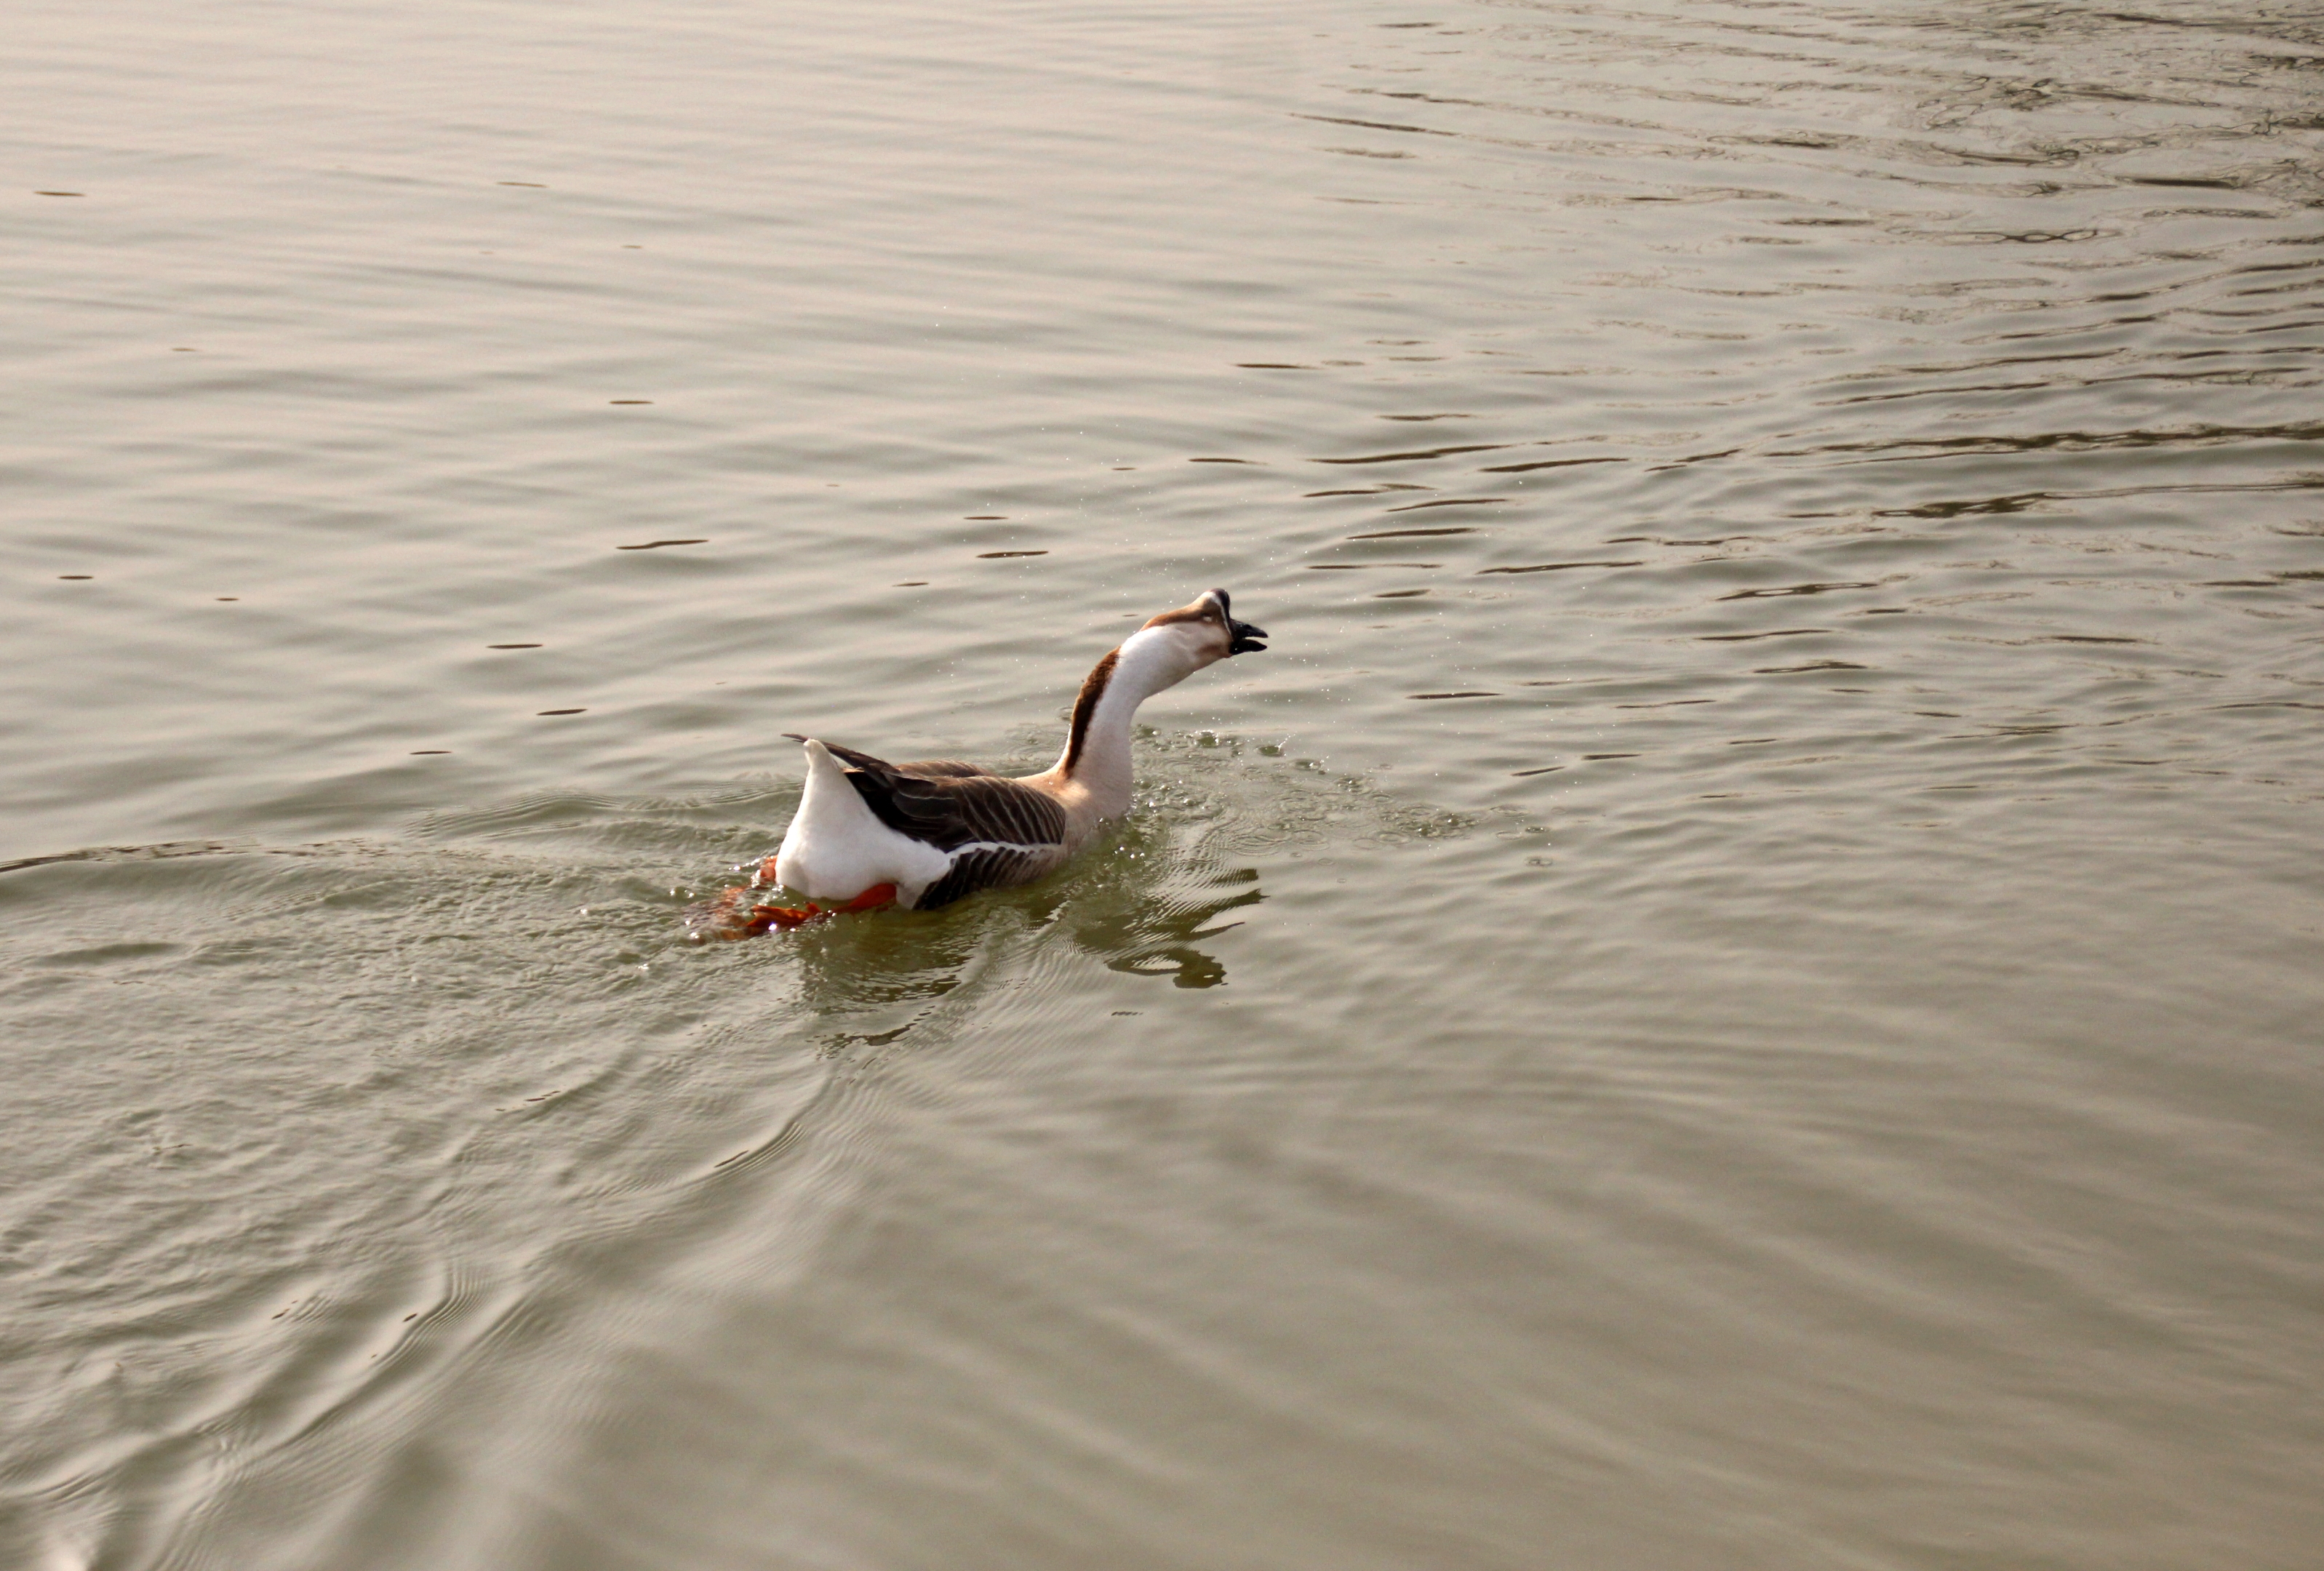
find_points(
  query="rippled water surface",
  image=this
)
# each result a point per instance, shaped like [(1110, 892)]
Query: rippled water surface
[(1740, 988)]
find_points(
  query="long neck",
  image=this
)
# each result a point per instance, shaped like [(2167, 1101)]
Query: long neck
[(1097, 754)]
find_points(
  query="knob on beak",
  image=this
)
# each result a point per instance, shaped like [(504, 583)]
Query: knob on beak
[(1243, 638)]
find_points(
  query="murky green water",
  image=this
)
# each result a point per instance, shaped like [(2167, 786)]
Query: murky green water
[(1742, 989)]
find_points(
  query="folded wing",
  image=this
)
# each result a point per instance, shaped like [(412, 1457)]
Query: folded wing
[(930, 768), (996, 831)]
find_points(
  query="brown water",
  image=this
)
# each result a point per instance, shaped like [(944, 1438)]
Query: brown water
[(1742, 989)]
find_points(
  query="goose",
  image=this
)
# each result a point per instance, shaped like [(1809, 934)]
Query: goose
[(870, 834)]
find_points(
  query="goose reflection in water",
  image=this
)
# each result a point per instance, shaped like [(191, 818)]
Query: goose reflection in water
[(1156, 938)]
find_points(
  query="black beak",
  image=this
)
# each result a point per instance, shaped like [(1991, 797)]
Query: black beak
[(1243, 638)]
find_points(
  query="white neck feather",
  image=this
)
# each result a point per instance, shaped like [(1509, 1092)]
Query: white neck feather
[(1147, 661)]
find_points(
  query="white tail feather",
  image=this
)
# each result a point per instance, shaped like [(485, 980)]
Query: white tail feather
[(837, 848)]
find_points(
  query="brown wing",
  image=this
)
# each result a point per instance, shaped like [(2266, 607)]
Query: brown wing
[(934, 768), (949, 811), (985, 868)]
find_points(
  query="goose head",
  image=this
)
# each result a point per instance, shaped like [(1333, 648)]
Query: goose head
[(1204, 631)]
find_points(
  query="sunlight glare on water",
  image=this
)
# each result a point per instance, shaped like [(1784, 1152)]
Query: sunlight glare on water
[(1739, 988)]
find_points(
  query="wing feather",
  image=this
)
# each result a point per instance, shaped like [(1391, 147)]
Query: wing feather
[(952, 811), (932, 768), (985, 868)]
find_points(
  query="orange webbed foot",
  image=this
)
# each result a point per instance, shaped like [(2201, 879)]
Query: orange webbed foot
[(787, 917), (734, 915), (872, 899), (730, 916)]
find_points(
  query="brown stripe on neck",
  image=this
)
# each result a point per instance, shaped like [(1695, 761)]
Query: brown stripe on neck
[(1093, 687)]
